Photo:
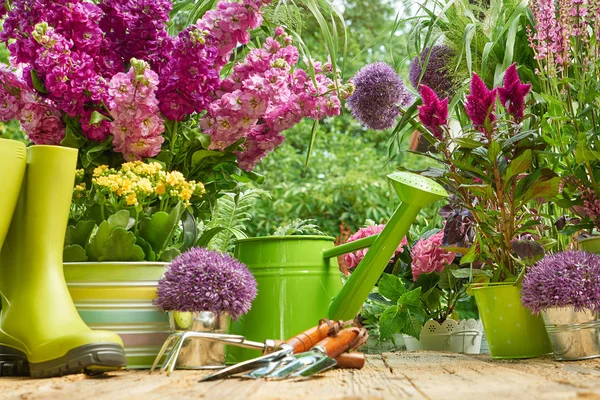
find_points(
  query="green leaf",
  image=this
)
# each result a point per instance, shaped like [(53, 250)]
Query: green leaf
[(391, 287), (202, 154), (411, 299), (494, 151), (427, 281), (471, 256), (37, 82), (390, 322), (72, 138), (190, 230), (95, 248), (467, 273), (169, 254), (519, 165), (121, 247), (159, 229), (97, 117), (207, 236), (542, 189), (80, 233), (150, 254), (447, 279), (74, 253)]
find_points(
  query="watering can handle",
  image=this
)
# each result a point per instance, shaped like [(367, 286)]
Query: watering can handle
[(350, 247)]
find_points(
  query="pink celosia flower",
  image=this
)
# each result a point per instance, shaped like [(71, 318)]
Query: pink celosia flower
[(481, 103), (353, 259), (428, 256), (512, 94), (433, 114)]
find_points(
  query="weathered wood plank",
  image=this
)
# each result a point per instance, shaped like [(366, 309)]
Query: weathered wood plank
[(422, 375)]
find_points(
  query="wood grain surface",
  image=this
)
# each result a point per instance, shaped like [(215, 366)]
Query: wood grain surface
[(419, 375)]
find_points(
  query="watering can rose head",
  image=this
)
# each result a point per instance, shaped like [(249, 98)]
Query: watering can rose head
[(567, 279), (205, 280), (353, 259)]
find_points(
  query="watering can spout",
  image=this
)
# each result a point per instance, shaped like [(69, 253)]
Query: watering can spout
[(415, 192)]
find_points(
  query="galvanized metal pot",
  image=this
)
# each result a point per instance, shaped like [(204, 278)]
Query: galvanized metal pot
[(511, 330), (574, 335), (197, 353), (117, 296)]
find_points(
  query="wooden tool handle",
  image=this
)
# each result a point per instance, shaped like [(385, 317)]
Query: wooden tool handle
[(334, 346), (309, 338), (354, 360)]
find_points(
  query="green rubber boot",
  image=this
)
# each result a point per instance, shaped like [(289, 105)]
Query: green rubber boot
[(38, 318), (12, 170)]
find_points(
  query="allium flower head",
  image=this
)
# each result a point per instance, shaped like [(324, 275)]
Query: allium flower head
[(428, 255), (436, 61), (568, 279), (481, 103), (205, 280), (353, 259), (433, 114), (513, 92), (378, 93)]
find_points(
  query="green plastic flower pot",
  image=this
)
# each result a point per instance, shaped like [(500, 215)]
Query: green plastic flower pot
[(511, 330), (591, 245)]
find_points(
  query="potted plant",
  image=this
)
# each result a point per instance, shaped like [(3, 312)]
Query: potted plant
[(421, 298), (201, 291), (570, 99), (565, 289)]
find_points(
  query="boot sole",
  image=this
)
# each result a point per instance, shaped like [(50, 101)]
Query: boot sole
[(13, 362), (92, 359)]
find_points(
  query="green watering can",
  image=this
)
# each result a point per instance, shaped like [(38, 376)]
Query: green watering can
[(298, 276)]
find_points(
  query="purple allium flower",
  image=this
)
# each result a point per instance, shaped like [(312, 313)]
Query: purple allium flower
[(481, 103), (433, 114), (205, 280), (437, 70), (513, 92), (568, 279), (378, 93)]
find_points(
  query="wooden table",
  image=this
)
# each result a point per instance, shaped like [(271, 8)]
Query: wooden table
[(421, 375)]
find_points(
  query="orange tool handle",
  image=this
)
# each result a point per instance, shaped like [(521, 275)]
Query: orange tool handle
[(336, 345), (307, 339), (354, 360)]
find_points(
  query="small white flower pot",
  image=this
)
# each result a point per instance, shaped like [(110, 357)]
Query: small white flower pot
[(451, 336)]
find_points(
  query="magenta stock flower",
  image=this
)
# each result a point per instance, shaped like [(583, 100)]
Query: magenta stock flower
[(481, 103), (433, 114), (512, 94), (353, 259), (428, 255)]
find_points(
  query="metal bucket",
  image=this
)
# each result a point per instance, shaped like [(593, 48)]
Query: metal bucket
[(197, 353), (574, 335)]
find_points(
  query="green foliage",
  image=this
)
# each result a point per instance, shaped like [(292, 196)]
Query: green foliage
[(299, 227)]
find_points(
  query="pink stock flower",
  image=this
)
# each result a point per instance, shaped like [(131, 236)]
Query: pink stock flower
[(512, 94), (429, 256), (433, 114), (481, 103), (353, 259)]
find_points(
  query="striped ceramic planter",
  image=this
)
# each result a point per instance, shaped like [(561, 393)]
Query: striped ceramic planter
[(117, 296)]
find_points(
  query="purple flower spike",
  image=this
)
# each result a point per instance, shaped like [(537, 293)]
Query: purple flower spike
[(433, 114), (481, 103), (513, 92), (569, 279), (378, 94), (205, 280)]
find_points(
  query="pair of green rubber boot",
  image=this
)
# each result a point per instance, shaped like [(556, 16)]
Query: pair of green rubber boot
[(41, 333)]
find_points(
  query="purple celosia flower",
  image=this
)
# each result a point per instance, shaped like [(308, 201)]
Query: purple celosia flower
[(436, 61), (568, 279), (204, 280), (428, 255), (353, 259), (512, 94), (433, 114), (481, 103), (378, 93)]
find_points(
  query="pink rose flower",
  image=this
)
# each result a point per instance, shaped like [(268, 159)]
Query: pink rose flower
[(428, 255), (353, 259)]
